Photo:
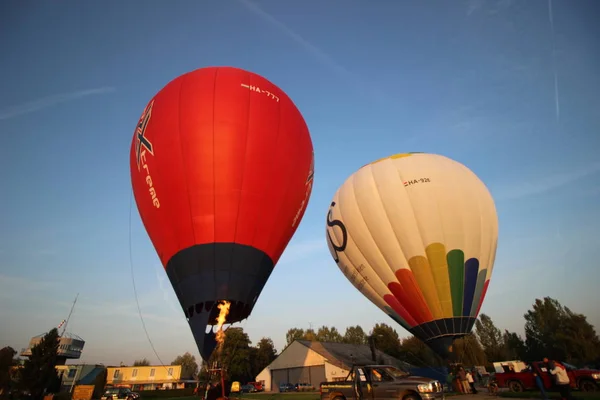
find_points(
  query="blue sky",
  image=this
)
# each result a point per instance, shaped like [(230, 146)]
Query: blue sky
[(471, 80)]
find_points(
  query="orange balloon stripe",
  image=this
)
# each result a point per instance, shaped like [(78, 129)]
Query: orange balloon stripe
[(408, 293), (410, 304), (483, 292), (396, 306), (410, 285)]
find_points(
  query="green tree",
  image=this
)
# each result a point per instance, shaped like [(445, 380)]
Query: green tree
[(294, 334), (386, 339), (327, 334), (468, 350), (189, 366), (491, 338), (262, 355), (417, 353), (7, 361), (515, 346), (39, 373), (554, 331), (355, 335), (310, 334), (234, 356), (141, 363)]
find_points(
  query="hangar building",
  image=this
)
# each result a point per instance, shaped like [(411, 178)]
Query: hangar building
[(305, 361)]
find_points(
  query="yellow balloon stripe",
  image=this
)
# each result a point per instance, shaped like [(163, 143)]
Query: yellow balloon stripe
[(423, 275), (436, 253)]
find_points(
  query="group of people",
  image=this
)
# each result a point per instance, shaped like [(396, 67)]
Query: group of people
[(463, 380)]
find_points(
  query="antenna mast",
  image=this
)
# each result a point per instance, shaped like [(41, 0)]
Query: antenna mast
[(69, 317)]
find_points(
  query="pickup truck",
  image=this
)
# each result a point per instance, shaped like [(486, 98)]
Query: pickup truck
[(381, 382), (586, 380)]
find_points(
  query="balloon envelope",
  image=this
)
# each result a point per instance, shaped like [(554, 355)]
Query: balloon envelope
[(416, 234), (221, 167)]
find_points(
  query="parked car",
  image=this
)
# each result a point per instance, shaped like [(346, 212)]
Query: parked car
[(304, 387), (257, 385), (286, 387), (586, 380), (248, 389), (115, 393)]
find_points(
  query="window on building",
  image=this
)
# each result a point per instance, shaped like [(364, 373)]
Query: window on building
[(72, 372), (116, 374), (152, 372), (134, 373), (170, 371)]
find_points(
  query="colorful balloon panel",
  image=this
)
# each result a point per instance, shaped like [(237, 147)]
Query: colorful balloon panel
[(417, 234), (222, 168)]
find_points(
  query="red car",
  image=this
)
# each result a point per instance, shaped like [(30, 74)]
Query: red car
[(259, 386), (586, 380)]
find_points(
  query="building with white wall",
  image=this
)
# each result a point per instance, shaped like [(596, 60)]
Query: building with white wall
[(305, 361)]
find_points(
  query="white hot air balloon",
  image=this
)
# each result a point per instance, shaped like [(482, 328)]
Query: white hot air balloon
[(417, 235)]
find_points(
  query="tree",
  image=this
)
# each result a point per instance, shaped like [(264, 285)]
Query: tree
[(294, 334), (300, 334), (189, 366), (490, 338), (355, 335), (554, 331), (262, 355), (141, 363), (468, 350), (327, 334), (515, 346), (310, 334), (234, 355), (39, 373), (265, 352), (417, 353), (386, 339), (7, 361)]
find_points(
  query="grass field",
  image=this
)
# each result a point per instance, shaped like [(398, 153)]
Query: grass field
[(552, 395), (277, 396), (315, 396)]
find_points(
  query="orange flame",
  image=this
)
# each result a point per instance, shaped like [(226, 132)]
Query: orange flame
[(223, 311)]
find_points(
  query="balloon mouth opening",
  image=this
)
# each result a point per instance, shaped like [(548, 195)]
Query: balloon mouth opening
[(238, 311)]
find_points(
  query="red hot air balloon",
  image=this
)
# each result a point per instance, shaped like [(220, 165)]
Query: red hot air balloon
[(222, 169)]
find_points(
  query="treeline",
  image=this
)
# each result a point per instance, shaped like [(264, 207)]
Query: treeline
[(551, 330)]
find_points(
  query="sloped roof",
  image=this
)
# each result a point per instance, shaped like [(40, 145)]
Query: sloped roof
[(343, 355), (90, 377)]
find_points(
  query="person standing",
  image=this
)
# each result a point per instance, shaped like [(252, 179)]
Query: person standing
[(540, 384), (462, 375), (471, 382), (563, 383), (449, 380)]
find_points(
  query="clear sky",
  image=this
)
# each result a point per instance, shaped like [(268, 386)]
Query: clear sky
[(497, 85)]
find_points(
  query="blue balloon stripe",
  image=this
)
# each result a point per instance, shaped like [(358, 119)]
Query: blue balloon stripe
[(471, 270)]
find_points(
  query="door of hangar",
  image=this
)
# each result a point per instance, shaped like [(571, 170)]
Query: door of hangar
[(313, 375), (278, 376), (317, 375)]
